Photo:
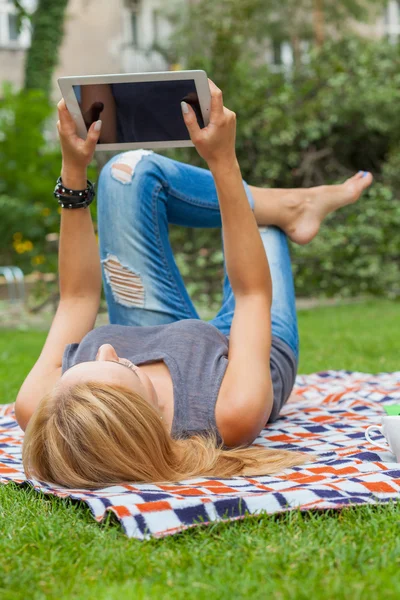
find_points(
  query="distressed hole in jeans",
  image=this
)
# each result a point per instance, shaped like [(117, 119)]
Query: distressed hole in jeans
[(123, 169), (126, 285)]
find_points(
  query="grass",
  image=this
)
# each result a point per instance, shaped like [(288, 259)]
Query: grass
[(52, 548)]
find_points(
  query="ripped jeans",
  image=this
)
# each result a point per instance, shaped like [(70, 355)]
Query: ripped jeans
[(139, 194)]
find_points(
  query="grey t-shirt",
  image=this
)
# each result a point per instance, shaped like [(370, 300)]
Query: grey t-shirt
[(196, 354)]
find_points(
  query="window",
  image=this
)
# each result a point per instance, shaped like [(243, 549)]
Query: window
[(276, 53), (156, 26), (282, 55), (134, 29), (10, 36), (134, 10), (392, 19), (13, 33)]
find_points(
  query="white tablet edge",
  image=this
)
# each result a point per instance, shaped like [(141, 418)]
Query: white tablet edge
[(201, 82)]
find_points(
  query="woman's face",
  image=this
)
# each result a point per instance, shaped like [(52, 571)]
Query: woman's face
[(111, 369)]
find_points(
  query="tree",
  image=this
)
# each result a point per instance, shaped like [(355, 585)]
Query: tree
[(218, 33), (318, 20), (47, 35)]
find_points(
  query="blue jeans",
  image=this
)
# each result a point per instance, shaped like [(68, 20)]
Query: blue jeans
[(139, 194)]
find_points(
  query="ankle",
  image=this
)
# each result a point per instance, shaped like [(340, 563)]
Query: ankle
[(295, 201)]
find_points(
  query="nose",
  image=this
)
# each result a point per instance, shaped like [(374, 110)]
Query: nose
[(106, 352)]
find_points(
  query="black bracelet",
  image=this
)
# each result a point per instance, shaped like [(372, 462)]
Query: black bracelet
[(74, 198)]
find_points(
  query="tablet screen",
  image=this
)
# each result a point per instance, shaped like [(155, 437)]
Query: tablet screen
[(147, 111)]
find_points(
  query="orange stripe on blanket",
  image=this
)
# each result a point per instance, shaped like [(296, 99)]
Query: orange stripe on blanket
[(330, 398), (190, 492), (312, 504), (5, 470), (306, 478), (323, 419), (154, 506), (121, 511), (378, 486), (381, 466), (338, 471), (260, 486), (281, 438)]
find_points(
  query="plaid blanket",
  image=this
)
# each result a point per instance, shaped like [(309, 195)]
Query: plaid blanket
[(327, 418)]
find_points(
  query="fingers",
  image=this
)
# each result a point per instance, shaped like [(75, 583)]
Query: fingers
[(64, 115), (93, 137), (217, 101), (66, 125), (189, 116), (61, 106)]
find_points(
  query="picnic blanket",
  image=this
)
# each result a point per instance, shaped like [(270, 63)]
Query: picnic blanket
[(327, 419)]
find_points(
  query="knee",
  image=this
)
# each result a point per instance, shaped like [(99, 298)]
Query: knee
[(129, 176), (130, 167)]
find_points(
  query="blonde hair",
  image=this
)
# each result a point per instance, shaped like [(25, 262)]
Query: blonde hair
[(94, 435)]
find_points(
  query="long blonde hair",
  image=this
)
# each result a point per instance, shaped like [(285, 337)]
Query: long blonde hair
[(94, 435)]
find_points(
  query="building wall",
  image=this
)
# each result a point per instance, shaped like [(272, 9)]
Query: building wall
[(385, 22), (93, 35), (12, 66), (104, 36), (98, 39), (152, 28), (12, 46)]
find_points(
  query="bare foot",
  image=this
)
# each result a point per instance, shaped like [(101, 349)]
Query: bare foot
[(318, 202)]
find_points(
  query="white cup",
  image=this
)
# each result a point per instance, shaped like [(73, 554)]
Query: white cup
[(391, 430)]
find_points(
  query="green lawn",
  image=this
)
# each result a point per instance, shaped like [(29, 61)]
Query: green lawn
[(51, 548)]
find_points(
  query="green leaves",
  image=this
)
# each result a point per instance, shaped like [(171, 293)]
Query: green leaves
[(29, 168), (334, 116)]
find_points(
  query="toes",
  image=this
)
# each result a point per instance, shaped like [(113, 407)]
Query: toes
[(357, 184), (359, 175), (364, 177), (367, 179)]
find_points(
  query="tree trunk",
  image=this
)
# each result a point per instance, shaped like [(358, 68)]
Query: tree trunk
[(319, 23), (47, 36)]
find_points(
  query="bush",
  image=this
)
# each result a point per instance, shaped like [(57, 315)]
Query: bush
[(328, 119), (30, 162), (30, 165), (334, 116), (356, 252)]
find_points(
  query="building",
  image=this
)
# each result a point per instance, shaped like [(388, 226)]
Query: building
[(114, 36), (12, 43), (101, 36), (280, 55)]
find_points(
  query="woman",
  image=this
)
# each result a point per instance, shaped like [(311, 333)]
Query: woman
[(159, 395)]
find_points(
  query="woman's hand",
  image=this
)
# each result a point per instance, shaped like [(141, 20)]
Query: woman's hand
[(77, 153), (216, 142)]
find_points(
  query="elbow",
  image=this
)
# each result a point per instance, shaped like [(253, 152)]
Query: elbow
[(241, 435), (22, 414), (242, 426)]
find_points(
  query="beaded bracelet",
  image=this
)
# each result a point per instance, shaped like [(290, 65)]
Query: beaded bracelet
[(74, 198)]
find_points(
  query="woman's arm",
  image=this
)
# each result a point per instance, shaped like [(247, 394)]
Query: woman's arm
[(79, 273), (246, 395), (245, 257)]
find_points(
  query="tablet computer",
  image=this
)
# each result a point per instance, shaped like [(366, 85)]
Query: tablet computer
[(138, 110)]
